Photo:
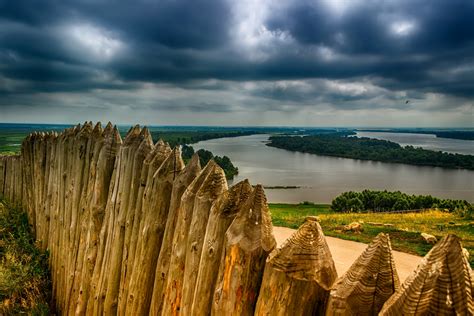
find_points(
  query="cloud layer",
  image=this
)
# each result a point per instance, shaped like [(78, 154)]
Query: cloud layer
[(243, 62)]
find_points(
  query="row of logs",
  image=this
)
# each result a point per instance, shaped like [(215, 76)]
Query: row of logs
[(132, 230)]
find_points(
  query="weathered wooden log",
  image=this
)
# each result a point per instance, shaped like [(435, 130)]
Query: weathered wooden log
[(58, 261), (181, 183), (93, 179), (97, 293), (174, 283), (105, 152), (150, 239), (222, 214), (248, 242), (298, 276), (145, 199), (136, 147), (113, 232), (368, 283), (81, 164), (214, 186), (440, 285)]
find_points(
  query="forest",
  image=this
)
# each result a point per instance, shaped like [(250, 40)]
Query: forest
[(205, 155), (371, 149), (384, 201), (453, 134), (190, 137)]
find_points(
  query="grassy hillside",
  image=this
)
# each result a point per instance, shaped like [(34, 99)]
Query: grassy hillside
[(404, 229), (24, 274)]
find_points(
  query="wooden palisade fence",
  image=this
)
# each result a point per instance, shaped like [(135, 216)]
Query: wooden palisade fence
[(131, 230)]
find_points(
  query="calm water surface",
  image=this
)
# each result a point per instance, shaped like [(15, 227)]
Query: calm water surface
[(426, 141), (322, 178)]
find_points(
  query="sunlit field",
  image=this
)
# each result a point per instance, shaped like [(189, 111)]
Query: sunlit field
[(404, 229)]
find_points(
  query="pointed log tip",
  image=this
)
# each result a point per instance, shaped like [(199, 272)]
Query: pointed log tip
[(194, 165), (108, 130), (133, 133), (145, 138), (159, 153), (370, 281), (210, 164), (86, 129), (306, 256), (237, 197), (98, 130), (195, 160), (312, 218), (252, 228), (427, 282), (214, 183), (170, 165), (116, 135)]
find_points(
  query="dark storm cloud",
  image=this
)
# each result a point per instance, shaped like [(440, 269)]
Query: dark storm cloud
[(409, 46)]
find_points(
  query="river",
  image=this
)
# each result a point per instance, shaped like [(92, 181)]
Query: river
[(321, 178)]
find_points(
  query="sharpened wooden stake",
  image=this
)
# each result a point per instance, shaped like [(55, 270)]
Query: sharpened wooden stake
[(248, 242), (222, 214), (299, 275), (442, 284), (214, 186), (174, 284), (181, 183), (368, 283), (150, 238)]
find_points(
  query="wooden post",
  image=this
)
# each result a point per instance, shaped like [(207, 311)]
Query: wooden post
[(298, 276), (150, 238), (440, 285), (222, 214), (97, 291), (214, 186), (101, 173), (136, 147), (368, 283), (145, 197), (174, 283), (181, 183), (248, 242)]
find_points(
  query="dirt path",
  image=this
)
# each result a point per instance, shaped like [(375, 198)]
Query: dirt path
[(345, 252)]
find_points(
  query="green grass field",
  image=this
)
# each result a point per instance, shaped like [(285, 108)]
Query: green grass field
[(404, 229)]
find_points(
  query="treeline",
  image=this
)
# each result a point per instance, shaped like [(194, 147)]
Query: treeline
[(465, 135), (371, 149), (383, 201), (175, 138), (205, 155)]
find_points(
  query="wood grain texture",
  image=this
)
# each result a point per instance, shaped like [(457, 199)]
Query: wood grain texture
[(441, 285), (248, 242), (181, 183), (368, 283), (298, 276), (223, 212)]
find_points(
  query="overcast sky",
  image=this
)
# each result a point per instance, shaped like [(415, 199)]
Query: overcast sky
[(238, 62)]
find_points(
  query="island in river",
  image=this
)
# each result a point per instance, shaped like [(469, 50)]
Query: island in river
[(340, 145)]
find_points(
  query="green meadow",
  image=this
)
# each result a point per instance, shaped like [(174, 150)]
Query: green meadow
[(404, 229)]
